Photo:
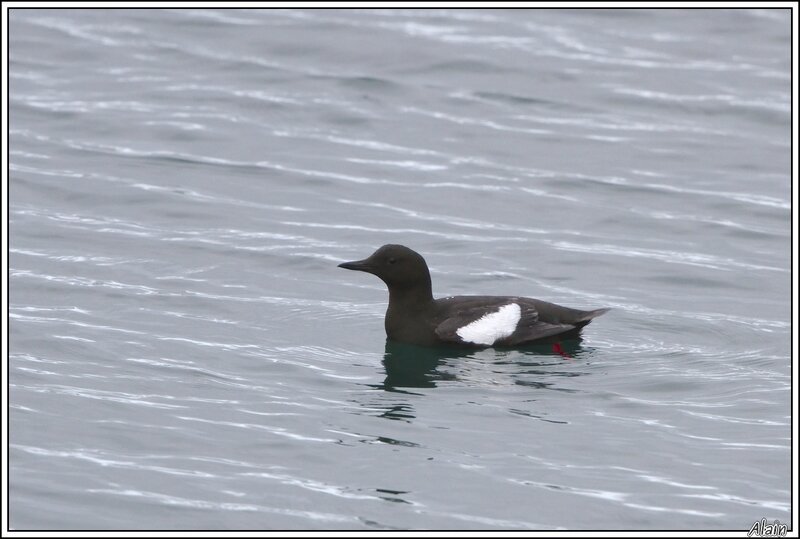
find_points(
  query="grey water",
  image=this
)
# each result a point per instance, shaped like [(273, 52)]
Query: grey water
[(185, 354)]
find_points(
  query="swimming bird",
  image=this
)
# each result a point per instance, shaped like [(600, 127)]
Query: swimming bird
[(415, 317)]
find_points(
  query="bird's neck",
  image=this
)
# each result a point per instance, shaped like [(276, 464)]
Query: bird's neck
[(418, 295)]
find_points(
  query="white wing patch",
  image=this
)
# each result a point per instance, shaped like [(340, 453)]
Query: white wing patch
[(491, 327)]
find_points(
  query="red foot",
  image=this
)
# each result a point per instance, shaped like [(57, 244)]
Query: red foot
[(557, 349)]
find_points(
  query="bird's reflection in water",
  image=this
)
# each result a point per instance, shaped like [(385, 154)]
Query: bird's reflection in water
[(410, 366), (414, 366), (412, 371)]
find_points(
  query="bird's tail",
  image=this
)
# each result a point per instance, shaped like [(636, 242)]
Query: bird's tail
[(588, 316)]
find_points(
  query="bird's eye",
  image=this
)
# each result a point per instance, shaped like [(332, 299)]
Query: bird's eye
[(392, 260)]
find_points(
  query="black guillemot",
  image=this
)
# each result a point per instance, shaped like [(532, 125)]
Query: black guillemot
[(415, 317)]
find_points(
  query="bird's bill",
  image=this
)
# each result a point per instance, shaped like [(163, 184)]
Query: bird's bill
[(358, 265)]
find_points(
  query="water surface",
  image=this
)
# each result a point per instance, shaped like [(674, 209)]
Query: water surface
[(184, 353)]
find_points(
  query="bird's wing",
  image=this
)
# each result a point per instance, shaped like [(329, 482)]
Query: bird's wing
[(508, 324), (534, 332)]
